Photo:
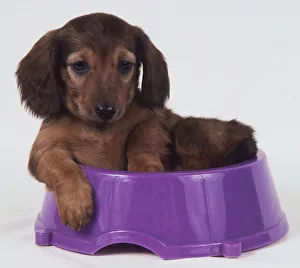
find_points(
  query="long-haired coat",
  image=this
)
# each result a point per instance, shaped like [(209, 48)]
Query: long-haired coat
[(82, 80)]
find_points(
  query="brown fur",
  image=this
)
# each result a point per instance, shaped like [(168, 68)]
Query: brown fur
[(142, 135), (203, 143)]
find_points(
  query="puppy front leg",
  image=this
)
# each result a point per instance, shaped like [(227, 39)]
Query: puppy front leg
[(55, 167), (147, 148)]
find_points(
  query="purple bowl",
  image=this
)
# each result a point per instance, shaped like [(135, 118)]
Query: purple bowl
[(217, 212)]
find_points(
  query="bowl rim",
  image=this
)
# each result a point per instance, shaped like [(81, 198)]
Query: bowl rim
[(124, 173)]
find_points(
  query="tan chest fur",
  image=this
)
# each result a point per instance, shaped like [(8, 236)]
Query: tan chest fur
[(104, 148)]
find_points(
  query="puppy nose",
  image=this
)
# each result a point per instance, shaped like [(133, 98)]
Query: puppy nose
[(105, 111)]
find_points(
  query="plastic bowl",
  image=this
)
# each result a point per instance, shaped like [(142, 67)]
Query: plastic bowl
[(217, 212)]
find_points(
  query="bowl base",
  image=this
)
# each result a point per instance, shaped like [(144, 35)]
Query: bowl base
[(229, 248)]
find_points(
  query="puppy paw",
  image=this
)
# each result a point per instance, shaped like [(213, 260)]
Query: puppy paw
[(75, 205), (144, 162), (145, 167), (245, 150)]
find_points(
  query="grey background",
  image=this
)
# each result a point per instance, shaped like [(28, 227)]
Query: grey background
[(227, 59)]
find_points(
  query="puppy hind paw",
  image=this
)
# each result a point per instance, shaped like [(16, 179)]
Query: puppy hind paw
[(245, 150)]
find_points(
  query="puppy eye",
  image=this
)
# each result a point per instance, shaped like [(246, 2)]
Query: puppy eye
[(80, 67), (125, 66)]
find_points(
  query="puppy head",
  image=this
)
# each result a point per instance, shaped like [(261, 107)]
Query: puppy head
[(90, 67)]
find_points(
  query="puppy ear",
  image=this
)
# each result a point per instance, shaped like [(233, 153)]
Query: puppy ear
[(38, 77), (155, 82)]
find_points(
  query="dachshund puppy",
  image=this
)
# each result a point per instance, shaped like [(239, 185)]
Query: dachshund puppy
[(82, 81)]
